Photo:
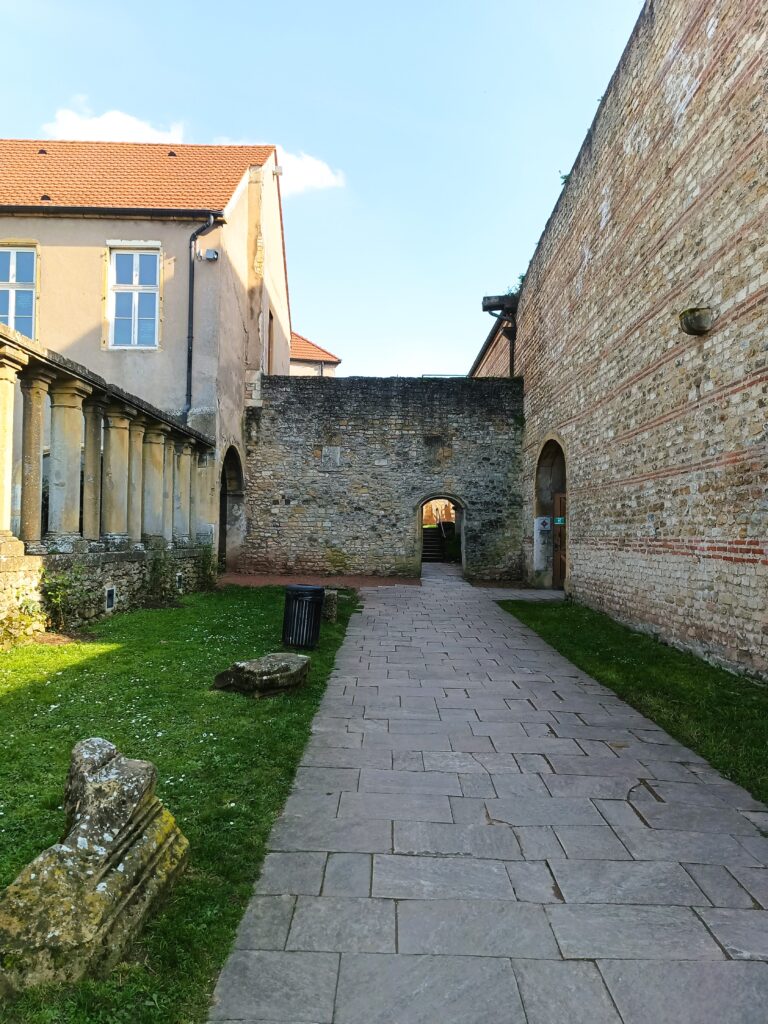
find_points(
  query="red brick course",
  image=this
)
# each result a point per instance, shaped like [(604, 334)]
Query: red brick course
[(665, 435)]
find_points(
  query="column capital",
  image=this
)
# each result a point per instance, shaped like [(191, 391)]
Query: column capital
[(36, 378), (95, 403), (156, 432), (12, 361), (117, 411), (69, 392), (138, 427)]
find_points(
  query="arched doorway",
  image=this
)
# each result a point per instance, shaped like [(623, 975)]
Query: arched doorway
[(550, 533), (231, 511), (441, 529)]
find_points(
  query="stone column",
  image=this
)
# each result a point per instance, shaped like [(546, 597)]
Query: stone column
[(135, 478), (210, 502), (66, 446), (34, 388), (153, 454), (114, 476), (11, 361), (168, 467), (194, 494), (181, 493), (94, 422)]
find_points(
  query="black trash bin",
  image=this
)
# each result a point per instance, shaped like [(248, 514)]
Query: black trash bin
[(301, 619)]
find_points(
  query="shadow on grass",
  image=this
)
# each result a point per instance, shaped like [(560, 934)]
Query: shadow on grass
[(225, 765)]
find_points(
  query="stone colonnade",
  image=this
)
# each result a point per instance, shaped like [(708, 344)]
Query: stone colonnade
[(118, 475)]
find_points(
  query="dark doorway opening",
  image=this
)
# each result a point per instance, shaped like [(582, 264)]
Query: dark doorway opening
[(441, 521), (231, 511), (550, 535)]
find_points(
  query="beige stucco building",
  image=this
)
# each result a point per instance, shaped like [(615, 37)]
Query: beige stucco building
[(159, 267), (310, 360)]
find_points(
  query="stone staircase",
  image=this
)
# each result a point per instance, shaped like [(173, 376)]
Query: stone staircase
[(431, 545)]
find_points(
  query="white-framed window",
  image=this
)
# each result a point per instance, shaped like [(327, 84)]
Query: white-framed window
[(17, 289), (134, 298)]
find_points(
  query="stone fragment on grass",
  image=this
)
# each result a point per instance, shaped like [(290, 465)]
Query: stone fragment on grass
[(330, 605), (74, 910), (264, 677)]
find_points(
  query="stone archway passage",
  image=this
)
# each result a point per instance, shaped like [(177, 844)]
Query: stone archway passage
[(441, 520), (231, 511), (338, 469), (550, 543)]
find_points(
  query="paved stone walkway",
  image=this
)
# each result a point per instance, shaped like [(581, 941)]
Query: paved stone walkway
[(480, 833)]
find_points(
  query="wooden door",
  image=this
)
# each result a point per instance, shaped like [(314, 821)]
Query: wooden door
[(559, 542)]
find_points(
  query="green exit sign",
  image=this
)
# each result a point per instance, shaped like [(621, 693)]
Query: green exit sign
[(559, 520)]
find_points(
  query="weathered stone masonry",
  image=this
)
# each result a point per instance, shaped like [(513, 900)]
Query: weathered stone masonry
[(665, 434), (337, 470)]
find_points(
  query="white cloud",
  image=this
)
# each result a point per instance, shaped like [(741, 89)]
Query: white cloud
[(305, 173), (111, 126), (301, 172)]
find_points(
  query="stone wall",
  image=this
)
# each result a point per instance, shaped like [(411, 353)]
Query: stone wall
[(665, 434), (85, 578), (337, 470), (20, 612)]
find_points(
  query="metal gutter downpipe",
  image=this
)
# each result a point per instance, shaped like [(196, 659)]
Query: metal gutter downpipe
[(202, 230)]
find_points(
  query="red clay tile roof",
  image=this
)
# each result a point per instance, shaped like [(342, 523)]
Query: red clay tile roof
[(124, 175), (308, 352)]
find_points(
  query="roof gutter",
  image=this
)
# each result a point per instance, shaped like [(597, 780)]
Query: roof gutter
[(202, 230), (134, 212)]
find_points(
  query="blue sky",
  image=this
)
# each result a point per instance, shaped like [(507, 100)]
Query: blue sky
[(423, 140)]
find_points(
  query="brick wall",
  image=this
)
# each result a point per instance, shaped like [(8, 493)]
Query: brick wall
[(665, 434), (337, 469)]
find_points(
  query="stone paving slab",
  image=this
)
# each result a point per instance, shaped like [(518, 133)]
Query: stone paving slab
[(475, 928), (631, 933), (427, 990), (281, 986), (343, 925), (564, 993), (440, 878), (480, 833), (636, 882), (688, 993)]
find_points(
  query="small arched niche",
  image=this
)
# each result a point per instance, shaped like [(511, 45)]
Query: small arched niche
[(550, 525)]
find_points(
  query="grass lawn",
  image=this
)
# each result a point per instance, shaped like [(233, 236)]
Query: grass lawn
[(225, 765), (721, 716)]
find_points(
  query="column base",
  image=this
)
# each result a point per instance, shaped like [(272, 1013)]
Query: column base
[(35, 547), (154, 542), (182, 542), (10, 546), (116, 541), (65, 543)]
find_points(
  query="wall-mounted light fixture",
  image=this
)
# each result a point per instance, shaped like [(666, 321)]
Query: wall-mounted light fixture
[(504, 309), (697, 320), (503, 305)]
